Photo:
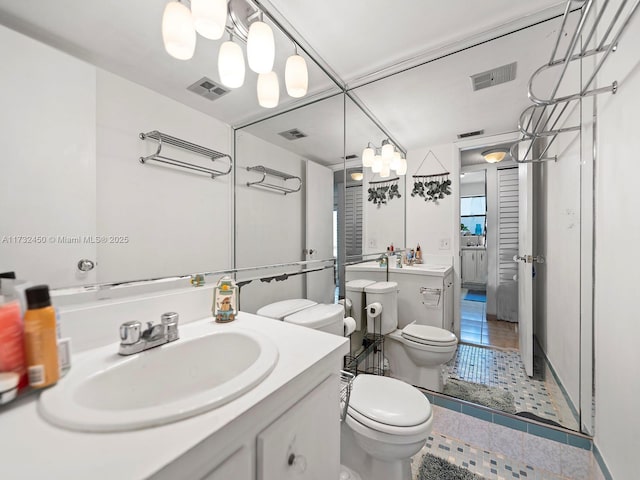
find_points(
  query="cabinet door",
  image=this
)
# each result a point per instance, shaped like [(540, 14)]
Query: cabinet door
[(481, 266), (304, 443), (468, 266), (237, 467)]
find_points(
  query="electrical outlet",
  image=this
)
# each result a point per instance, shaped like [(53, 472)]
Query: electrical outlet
[(444, 244)]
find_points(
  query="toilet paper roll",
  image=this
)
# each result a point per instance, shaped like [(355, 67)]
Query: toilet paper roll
[(349, 326), (374, 309)]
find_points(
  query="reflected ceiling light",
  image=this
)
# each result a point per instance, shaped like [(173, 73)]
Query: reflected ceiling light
[(231, 64), (242, 19), (209, 17), (402, 169), (395, 160), (296, 76), (494, 155), (261, 49), (268, 90), (367, 156), (376, 166), (387, 150), (357, 176), (178, 32)]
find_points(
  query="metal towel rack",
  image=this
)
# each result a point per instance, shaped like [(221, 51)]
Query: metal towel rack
[(541, 119), (163, 138), (274, 173)]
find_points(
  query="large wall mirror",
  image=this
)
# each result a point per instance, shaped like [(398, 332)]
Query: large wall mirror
[(536, 368)]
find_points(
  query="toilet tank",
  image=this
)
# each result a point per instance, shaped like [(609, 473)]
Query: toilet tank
[(355, 293), (324, 317), (385, 293)]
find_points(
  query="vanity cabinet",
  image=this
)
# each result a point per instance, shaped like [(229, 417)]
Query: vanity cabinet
[(474, 265), (299, 443)]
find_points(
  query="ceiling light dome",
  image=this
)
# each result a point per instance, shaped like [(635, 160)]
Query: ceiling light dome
[(494, 155), (231, 65), (209, 17), (357, 176), (261, 48), (178, 32), (296, 76), (268, 90)]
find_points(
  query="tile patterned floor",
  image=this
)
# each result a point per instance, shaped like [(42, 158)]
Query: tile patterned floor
[(489, 465), (476, 329), (504, 369)]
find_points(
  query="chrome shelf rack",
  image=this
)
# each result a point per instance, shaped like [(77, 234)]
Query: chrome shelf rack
[(164, 139), (274, 173), (542, 119)]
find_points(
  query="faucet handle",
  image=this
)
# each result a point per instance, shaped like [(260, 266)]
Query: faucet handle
[(130, 332), (170, 322)]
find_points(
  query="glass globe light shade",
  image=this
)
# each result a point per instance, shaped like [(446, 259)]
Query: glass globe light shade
[(395, 160), (387, 151), (178, 32), (209, 17), (367, 157), (261, 48), (231, 65), (385, 172), (268, 90), (402, 169), (296, 76), (376, 166)]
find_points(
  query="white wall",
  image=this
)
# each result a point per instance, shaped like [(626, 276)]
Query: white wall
[(617, 328), (176, 221), (472, 189), (269, 225), (48, 105)]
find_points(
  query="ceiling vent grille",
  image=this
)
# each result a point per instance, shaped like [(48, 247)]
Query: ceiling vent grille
[(498, 75), (293, 134), (350, 157), (208, 89), (470, 134)]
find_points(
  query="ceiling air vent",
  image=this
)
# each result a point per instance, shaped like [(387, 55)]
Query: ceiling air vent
[(350, 157), (208, 89), (499, 75), (470, 134), (293, 134)]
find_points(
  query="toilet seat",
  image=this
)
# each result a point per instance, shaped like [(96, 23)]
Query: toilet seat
[(389, 406), (429, 336)]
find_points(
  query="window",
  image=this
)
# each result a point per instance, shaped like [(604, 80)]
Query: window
[(473, 214)]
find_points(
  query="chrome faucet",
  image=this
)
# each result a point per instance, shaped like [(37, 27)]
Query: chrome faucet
[(133, 340)]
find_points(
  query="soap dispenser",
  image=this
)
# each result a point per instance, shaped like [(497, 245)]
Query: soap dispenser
[(225, 300)]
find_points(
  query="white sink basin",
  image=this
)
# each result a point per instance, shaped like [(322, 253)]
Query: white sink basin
[(107, 392)]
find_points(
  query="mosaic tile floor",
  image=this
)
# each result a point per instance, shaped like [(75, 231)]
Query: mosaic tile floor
[(487, 464), (503, 369)]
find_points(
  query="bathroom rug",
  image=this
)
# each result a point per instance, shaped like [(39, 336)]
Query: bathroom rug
[(476, 296), (435, 468), (491, 397)]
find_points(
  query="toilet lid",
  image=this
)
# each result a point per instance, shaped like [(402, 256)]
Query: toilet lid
[(389, 401), (358, 285), (381, 287), (318, 316), (429, 335), (279, 310)]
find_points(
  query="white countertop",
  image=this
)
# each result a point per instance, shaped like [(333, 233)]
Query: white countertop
[(416, 269), (31, 448)]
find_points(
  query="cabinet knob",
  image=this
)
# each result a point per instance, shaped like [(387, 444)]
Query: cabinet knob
[(297, 462)]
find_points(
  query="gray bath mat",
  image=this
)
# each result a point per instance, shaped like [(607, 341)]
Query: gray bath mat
[(435, 468), (491, 397)]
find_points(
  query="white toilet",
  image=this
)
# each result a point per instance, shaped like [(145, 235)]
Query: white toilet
[(416, 352), (387, 422)]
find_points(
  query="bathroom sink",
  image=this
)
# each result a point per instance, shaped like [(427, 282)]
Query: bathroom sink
[(107, 392)]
